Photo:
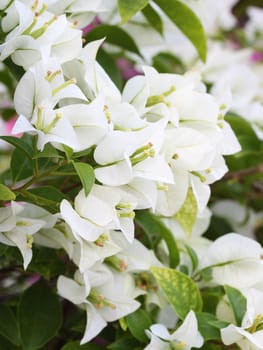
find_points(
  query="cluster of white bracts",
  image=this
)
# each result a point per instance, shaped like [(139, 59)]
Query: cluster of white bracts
[(161, 138)]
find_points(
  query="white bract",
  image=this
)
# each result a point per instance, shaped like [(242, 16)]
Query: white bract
[(18, 224), (185, 337), (35, 33), (250, 334), (104, 295), (234, 260)]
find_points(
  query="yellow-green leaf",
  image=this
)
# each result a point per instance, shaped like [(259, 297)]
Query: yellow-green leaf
[(128, 8), (181, 291), (187, 214), (6, 194)]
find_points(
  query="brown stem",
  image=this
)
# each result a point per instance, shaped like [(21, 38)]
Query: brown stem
[(238, 175)]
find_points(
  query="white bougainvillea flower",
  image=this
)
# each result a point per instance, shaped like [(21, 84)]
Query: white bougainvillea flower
[(35, 33), (80, 12), (125, 155), (235, 260), (106, 301), (250, 334), (18, 224), (104, 208), (46, 87), (241, 218), (90, 76), (184, 337)]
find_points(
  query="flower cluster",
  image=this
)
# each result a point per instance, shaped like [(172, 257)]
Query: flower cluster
[(102, 166)]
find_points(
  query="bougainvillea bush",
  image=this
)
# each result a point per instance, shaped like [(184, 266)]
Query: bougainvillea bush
[(131, 187)]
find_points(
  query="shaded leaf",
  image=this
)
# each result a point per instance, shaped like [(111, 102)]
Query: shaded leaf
[(8, 325), (137, 322), (114, 35), (152, 225), (39, 316)]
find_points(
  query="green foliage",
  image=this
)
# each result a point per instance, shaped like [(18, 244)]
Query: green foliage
[(74, 345), (115, 36), (181, 291), (186, 20), (153, 18), (209, 326), (237, 302), (39, 316), (6, 194), (156, 230), (187, 214), (128, 8), (137, 322), (8, 325), (86, 175)]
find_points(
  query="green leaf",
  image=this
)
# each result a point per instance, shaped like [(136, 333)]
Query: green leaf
[(166, 62), (193, 256), (48, 152), (48, 192), (208, 331), (114, 35), (127, 343), (137, 322), (181, 291), (187, 214), (39, 316), (17, 71), (22, 145), (238, 303), (153, 226), (86, 175), (108, 63), (8, 325), (7, 345), (6, 194), (187, 21), (74, 345), (128, 8), (153, 18), (21, 166)]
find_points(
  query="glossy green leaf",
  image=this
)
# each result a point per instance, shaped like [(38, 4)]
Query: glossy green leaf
[(187, 21), (48, 152), (7, 345), (187, 214), (237, 302), (21, 166), (8, 325), (181, 291), (209, 326), (153, 18), (137, 323), (6, 194), (86, 175), (39, 316), (22, 145), (153, 226), (114, 35), (128, 8)]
